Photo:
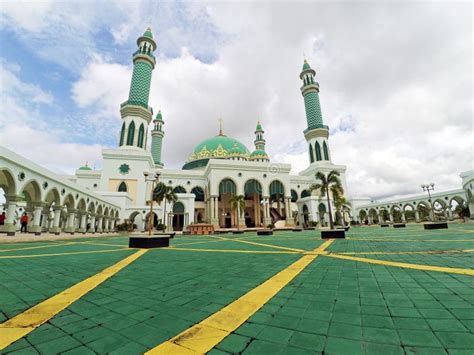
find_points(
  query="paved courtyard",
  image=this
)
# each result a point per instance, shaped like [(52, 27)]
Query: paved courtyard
[(380, 291)]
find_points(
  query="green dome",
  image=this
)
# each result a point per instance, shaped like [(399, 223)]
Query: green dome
[(258, 154), (148, 33), (159, 117), (306, 65), (259, 127), (218, 147), (85, 167)]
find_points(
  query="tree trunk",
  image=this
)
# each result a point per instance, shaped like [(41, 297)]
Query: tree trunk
[(331, 223)]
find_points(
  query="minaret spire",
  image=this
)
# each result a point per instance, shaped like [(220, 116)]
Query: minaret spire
[(316, 133), (157, 134), (135, 112), (259, 154)]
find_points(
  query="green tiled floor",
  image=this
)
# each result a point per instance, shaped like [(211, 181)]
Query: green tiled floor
[(333, 306)]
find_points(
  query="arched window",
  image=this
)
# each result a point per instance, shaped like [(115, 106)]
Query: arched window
[(199, 193), (294, 195), (325, 150), (311, 156), (141, 135), (131, 133), (318, 151), (122, 134), (122, 187), (179, 190), (305, 193)]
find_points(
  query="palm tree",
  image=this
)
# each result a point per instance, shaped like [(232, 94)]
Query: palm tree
[(237, 203), (324, 184), (165, 193), (340, 201)]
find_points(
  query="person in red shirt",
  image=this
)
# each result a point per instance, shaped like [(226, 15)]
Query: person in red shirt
[(24, 223), (2, 218)]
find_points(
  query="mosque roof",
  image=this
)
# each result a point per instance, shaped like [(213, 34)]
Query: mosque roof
[(148, 33), (85, 167), (306, 65), (258, 153)]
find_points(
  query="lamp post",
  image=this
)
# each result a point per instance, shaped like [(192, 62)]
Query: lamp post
[(153, 184), (429, 187)]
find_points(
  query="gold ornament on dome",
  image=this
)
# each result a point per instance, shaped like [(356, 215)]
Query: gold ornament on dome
[(219, 152)]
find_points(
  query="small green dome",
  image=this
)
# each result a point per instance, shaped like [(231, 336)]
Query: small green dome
[(258, 154), (159, 117), (148, 33), (85, 167), (259, 127), (306, 65), (218, 147)]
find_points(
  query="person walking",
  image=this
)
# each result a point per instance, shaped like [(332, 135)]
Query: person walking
[(24, 223), (2, 218)]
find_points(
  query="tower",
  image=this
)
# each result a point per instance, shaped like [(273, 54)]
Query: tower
[(317, 133), (259, 153), (157, 139), (135, 112)]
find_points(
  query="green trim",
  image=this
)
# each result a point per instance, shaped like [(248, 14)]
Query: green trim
[(318, 151), (141, 135), (325, 150), (122, 134), (311, 156)]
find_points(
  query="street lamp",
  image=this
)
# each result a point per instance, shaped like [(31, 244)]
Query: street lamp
[(154, 181), (429, 187)]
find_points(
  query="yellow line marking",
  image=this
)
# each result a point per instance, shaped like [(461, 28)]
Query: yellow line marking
[(413, 240), (261, 244), (104, 244), (234, 251), (60, 254), (451, 270), (203, 336), (200, 242), (36, 247), (24, 323), (408, 252)]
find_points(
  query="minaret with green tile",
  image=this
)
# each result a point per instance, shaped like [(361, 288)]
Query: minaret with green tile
[(157, 134), (316, 133), (135, 112), (259, 153)]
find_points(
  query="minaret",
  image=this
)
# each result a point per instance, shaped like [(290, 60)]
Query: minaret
[(135, 112), (259, 154), (317, 133), (157, 139)]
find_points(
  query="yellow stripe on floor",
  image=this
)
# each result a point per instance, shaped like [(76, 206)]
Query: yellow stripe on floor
[(261, 244), (24, 323), (234, 251), (408, 252), (60, 254), (36, 247), (450, 270), (205, 335)]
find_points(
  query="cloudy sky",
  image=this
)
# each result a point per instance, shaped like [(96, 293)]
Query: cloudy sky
[(395, 78)]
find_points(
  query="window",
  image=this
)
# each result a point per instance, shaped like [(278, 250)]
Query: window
[(122, 134), (311, 156), (131, 133), (122, 187), (141, 135), (318, 151), (325, 150)]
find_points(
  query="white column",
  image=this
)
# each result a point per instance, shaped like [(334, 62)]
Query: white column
[(417, 216), (107, 220), (36, 225), (70, 224), (99, 224), (56, 220), (92, 224), (403, 217), (391, 217), (10, 225), (450, 214)]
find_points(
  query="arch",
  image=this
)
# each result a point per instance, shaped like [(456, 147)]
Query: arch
[(294, 196), (227, 186), (305, 215), (107, 212), (122, 134), (179, 190), (325, 151), (91, 207), (69, 202), (178, 216), (131, 133), (31, 191), (52, 196), (81, 205), (276, 188), (318, 151), (305, 193), (122, 187), (252, 186), (141, 135), (362, 215), (198, 192), (311, 155), (7, 181), (100, 210)]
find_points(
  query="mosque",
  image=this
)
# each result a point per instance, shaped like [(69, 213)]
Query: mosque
[(218, 167)]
